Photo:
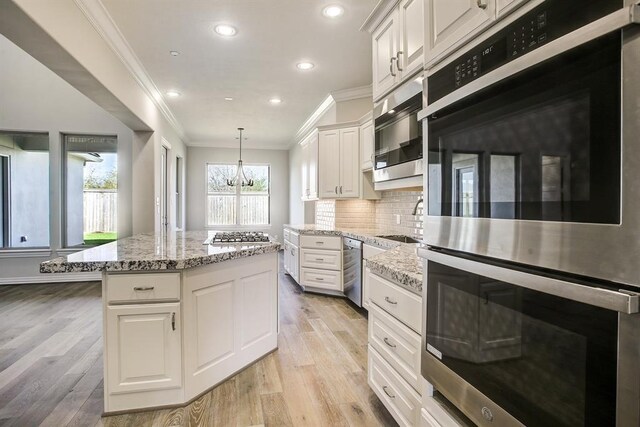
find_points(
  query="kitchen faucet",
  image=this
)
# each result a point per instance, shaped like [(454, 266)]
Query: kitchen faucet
[(415, 208)]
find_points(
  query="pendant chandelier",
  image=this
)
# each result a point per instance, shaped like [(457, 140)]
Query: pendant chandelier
[(240, 176)]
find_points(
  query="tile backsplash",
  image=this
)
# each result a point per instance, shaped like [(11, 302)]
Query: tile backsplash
[(380, 214)]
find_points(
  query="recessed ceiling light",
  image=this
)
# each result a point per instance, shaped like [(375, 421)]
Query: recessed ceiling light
[(275, 101), (228, 98), (225, 30), (174, 53), (305, 65), (173, 93), (333, 11)]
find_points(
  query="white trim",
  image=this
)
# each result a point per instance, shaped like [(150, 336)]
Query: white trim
[(317, 114), (25, 253), (52, 278), (378, 14), (341, 125), (352, 93), (99, 17), (234, 145)]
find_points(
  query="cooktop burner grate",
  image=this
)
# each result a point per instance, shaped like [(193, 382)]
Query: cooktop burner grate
[(227, 237)]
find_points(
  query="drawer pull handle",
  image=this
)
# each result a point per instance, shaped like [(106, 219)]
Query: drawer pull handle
[(173, 321), (389, 301), (384, 388), (319, 243), (320, 279), (143, 288), (386, 341), (320, 259)]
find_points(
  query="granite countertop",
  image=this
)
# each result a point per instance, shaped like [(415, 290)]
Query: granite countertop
[(400, 263), (171, 251)]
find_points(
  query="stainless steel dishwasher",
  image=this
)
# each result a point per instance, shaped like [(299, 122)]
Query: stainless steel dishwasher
[(352, 269)]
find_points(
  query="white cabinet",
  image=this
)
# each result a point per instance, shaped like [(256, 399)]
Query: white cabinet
[(397, 44), (320, 264), (451, 23), (292, 255), (411, 53), (310, 167), (338, 163), (367, 145), (144, 347), (386, 43)]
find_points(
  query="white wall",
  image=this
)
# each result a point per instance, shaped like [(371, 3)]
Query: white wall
[(196, 183)]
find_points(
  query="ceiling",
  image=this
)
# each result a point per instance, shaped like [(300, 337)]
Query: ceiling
[(257, 64)]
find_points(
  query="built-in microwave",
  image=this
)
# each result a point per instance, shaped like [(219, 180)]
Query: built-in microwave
[(398, 134)]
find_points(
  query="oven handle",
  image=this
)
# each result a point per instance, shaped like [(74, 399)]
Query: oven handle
[(605, 25), (621, 301)]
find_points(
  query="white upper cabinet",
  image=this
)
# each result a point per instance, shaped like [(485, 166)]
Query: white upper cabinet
[(339, 163), (385, 47), (367, 145), (397, 42), (411, 55), (349, 162), (310, 167), (450, 22), (329, 163)]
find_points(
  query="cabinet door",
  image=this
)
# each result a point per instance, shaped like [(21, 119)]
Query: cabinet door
[(329, 163), (287, 257), (386, 42), (143, 346), (450, 22), (295, 263), (412, 37), (312, 167), (367, 143), (305, 171), (349, 163)]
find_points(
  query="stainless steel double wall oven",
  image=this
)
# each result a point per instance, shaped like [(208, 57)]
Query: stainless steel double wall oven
[(533, 219)]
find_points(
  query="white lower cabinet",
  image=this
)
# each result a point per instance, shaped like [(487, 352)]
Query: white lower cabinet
[(402, 401), (426, 420), (144, 347)]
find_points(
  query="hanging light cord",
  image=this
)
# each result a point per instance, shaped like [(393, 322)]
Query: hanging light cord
[(240, 175)]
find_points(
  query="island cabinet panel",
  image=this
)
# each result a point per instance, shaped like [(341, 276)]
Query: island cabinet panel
[(231, 319), (144, 350)]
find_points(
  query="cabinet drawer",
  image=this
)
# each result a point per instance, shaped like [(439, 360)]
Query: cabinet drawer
[(294, 238), (143, 287), (324, 279), (321, 242), (317, 258), (397, 396), (401, 304), (397, 344)]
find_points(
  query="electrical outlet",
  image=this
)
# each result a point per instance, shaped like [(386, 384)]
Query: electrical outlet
[(398, 219), (23, 239)]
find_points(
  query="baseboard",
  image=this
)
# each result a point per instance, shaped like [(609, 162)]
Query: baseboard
[(51, 278)]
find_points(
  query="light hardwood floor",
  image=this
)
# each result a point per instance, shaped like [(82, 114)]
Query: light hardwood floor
[(51, 366)]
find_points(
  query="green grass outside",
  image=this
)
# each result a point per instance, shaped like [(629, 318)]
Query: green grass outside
[(99, 238)]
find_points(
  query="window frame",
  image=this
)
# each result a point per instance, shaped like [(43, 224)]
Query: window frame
[(238, 197), (63, 179)]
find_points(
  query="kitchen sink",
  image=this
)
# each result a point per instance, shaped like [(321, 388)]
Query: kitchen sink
[(400, 238)]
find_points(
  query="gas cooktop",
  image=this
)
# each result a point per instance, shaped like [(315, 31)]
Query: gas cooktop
[(231, 237)]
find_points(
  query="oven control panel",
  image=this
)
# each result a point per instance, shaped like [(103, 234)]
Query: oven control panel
[(550, 20)]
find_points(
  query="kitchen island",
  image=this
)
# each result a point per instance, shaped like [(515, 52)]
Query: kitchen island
[(179, 316)]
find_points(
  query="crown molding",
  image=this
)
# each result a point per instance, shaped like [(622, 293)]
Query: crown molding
[(102, 21), (352, 93), (378, 14), (231, 145), (317, 114)]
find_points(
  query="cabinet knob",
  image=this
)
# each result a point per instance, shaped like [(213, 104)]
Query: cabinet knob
[(393, 58), (173, 321), (390, 301), (384, 388), (336, 190), (482, 4), (386, 341), (341, 189), (399, 63)]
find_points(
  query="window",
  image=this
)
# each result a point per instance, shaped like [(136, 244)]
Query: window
[(24, 190), (91, 189), (179, 198), (237, 205)]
